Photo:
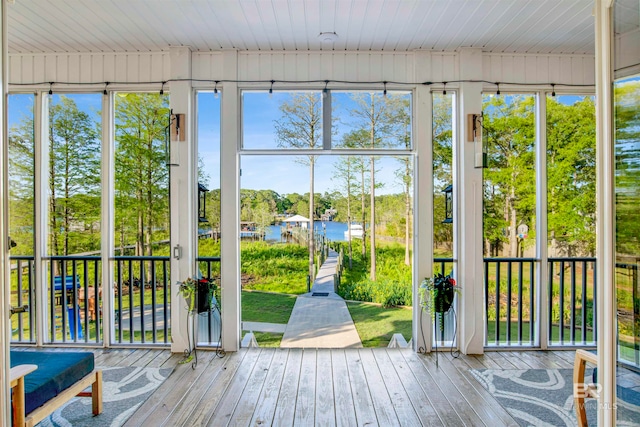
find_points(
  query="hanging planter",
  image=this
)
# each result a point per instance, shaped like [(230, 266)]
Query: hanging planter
[(198, 293), (437, 295)]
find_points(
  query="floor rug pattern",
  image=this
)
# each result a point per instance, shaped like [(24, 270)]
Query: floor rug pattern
[(544, 397), (123, 389)]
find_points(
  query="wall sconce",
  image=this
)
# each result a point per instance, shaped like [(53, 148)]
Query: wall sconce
[(474, 134), (448, 204), (202, 203)]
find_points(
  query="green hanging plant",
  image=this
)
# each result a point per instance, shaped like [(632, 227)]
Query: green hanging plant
[(197, 291), (437, 295)]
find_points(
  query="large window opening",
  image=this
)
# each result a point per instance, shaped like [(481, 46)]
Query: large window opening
[(209, 232), (73, 212), (21, 213), (571, 220), (142, 231), (508, 131), (300, 213)]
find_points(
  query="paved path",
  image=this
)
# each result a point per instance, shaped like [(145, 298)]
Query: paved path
[(321, 321), (264, 327)]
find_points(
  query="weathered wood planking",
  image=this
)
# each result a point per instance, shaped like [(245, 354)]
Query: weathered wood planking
[(362, 402), (437, 398), (248, 400), (416, 394), (222, 413), (382, 404), (268, 399), (325, 413), (286, 405), (201, 406), (306, 398), (343, 396), (258, 387), (394, 384)]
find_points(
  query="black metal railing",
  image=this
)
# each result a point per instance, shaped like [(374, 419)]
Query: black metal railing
[(210, 334), (22, 294), (142, 292), (73, 293), (509, 286), (443, 265), (572, 301)]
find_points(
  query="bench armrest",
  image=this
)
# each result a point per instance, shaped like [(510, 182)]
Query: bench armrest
[(16, 377)]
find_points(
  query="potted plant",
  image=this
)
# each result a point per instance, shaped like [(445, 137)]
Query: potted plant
[(437, 294), (197, 293)]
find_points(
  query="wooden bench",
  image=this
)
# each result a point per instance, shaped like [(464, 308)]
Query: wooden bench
[(580, 388), (39, 387)]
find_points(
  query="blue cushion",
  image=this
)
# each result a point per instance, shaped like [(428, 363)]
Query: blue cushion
[(56, 372)]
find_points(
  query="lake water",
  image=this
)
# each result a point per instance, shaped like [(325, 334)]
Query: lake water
[(335, 230)]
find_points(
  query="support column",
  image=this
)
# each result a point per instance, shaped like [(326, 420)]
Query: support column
[(542, 268), (107, 250), (230, 205), (5, 321), (605, 226), (183, 203), (467, 207), (423, 209)]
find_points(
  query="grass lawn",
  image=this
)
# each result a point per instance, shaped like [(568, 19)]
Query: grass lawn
[(267, 339), (266, 307), (376, 324)]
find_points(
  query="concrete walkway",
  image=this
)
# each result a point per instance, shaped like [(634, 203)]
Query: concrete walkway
[(321, 321)]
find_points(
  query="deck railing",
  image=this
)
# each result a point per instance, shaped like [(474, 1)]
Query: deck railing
[(572, 301), (210, 334), (73, 302), (22, 294), (509, 288), (142, 291), (142, 299)]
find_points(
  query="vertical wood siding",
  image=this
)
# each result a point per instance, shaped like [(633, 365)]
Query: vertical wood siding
[(419, 66), (88, 68)]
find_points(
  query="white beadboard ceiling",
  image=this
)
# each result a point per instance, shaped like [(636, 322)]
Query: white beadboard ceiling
[(502, 26)]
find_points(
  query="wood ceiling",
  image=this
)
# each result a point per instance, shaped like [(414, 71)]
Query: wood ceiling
[(510, 26)]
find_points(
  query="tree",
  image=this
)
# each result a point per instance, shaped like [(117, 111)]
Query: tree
[(508, 130), (358, 139), (442, 159), (373, 116), (141, 175), (401, 129), (344, 175), (74, 175), (21, 185), (571, 176), (301, 127)]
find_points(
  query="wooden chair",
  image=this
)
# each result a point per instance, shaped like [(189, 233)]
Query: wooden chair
[(581, 389)]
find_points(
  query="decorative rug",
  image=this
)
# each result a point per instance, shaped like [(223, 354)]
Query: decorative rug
[(123, 391), (544, 397)]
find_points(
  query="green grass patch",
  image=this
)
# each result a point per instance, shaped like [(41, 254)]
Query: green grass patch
[(267, 339), (376, 324), (266, 307), (275, 267)]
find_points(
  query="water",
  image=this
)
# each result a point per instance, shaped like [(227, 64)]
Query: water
[(335, 230)]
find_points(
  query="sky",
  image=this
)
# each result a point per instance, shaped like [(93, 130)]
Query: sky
[(283, 174)]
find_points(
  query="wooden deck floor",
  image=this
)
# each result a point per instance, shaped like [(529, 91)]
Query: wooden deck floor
[(283, 387)]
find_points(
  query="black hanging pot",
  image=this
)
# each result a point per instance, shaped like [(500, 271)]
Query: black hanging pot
[(443, 299), (205, 294)]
